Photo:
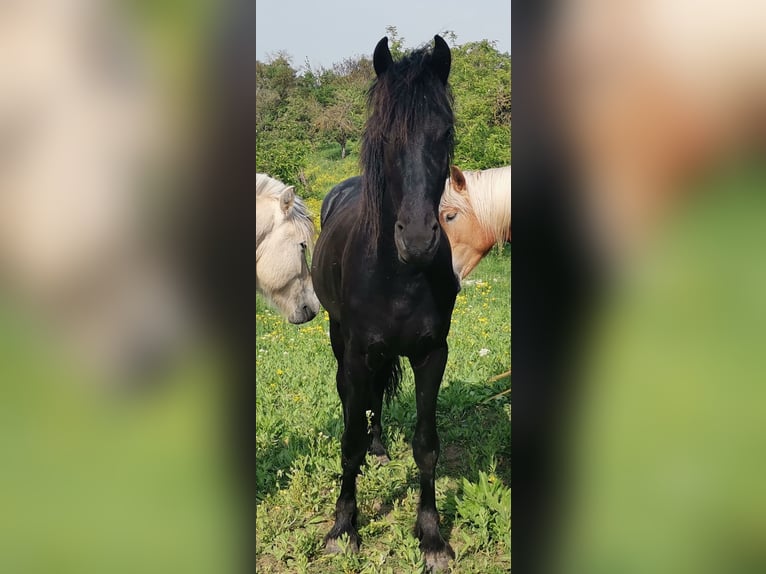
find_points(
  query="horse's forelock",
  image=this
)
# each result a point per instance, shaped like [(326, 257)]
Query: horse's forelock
[(489, 197), (452, 199), (300, 218)]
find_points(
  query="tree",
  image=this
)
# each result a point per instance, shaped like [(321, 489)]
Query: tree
[(298, 112), (395, 42), (337, 122), (284, 119), (481, 84)]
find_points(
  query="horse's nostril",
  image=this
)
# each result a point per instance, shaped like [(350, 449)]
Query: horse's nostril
[(434, 227), (399, 226)]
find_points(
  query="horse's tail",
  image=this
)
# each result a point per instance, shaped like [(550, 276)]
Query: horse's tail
[(393, 380)]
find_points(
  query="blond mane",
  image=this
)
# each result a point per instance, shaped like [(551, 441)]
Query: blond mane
[(267, 187), (488, 196)]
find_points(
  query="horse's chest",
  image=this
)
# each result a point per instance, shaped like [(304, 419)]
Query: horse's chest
[(415, 331), (408, 321)]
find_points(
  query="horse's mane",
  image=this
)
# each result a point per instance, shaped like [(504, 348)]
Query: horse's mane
[(489, 197), (397, 99), (299, 216)]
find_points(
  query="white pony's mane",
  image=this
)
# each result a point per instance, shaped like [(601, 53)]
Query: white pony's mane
[(489, 197), (267, 187)]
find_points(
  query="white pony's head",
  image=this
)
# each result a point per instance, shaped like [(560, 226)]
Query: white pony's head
[(284, 237)]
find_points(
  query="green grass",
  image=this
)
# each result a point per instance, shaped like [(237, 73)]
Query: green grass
[(299, 423)]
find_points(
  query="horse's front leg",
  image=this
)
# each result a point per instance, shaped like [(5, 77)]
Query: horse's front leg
[(354, 388), (428, 371)]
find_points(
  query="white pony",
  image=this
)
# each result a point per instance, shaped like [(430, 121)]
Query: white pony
[(475, 212), (284, 233)]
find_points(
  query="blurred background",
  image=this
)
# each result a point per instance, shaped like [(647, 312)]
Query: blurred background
[(113, 439), (640, 294), (639, 288)]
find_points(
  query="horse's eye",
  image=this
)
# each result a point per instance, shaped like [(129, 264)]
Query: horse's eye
[(451, 216), (303, 245)]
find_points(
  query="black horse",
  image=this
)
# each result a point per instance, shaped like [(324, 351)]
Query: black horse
[(382, 268)]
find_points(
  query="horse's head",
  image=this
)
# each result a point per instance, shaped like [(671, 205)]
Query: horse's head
[(470, 241), (412, 128), (284, 233)]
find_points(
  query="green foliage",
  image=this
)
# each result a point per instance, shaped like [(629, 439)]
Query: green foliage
[(323, 174), (481, 84), (485, 508), (343, 119), (307, 116), (278, 76), (282, 159), (395, 42)]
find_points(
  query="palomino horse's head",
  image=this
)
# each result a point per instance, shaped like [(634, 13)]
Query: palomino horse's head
[(408, 143), (284, 234), (475, 213)]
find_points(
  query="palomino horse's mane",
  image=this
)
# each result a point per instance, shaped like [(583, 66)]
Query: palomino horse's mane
[(268, 187), (396, 102), (488, 196)]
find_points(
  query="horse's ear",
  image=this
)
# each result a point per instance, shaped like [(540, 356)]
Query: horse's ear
[(382, 59), (458, 179), (286, 199), (441, 59)]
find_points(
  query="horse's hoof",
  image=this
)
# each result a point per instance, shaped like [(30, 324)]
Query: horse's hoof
[(439, 561), (336, 546), (383, 459)]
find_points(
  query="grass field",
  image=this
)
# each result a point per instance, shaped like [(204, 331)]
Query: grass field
[(299, 423)]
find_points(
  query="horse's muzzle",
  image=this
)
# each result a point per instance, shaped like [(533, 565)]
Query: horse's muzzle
[(416, 248), (305, 312)]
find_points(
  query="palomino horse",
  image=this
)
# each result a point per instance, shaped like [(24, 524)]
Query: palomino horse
[(475, 212), (284, 233), (383, 271)]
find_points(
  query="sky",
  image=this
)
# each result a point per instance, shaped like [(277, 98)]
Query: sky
[(328, 31)]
